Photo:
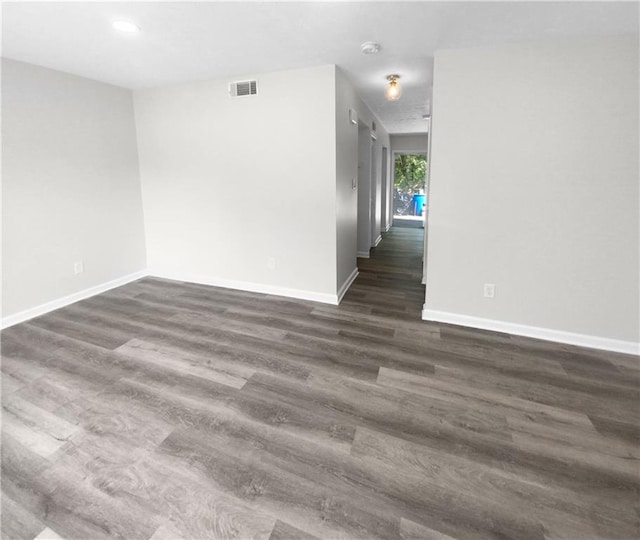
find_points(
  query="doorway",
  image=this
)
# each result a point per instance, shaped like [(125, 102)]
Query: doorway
[(409, 189), (365, 160), (386, 207), (376, 196)]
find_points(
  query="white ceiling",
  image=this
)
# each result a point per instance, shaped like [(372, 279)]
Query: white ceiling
[(187, 41)]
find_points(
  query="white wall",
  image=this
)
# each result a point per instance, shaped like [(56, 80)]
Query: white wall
[(376, 194), (412, 143), (425, 252), (534, 187), (366, 185), (381, 142), (229, 183), (70, 186), (346, 172), (347, 156), (386, 198)]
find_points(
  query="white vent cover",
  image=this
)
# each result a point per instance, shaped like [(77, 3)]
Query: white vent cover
[(243, 88)]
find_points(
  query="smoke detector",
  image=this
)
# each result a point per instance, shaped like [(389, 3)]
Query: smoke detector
[(370, 47)]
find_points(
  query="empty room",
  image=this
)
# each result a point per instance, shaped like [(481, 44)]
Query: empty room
[(320, 270)]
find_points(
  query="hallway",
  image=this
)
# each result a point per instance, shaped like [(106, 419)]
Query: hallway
[(390, 282), (172, 410)]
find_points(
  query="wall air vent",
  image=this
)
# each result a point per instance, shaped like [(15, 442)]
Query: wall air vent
[(243, 88)]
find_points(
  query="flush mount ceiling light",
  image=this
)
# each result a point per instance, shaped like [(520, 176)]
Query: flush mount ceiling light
[(370, 47), (393, 91), (126, 27)]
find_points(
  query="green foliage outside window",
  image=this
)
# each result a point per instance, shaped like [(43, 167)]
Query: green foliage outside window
[(410, 172)]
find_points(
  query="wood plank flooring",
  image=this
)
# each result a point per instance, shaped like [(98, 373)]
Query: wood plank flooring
[(165, 410)]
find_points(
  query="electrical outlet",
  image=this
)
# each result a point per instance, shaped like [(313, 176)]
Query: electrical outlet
[(489, 290), (78, 267), (271, 263)]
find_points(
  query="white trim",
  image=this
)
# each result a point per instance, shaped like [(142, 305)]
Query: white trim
[(36, 311), (548, 334), (276, 290), (345, 286), (378, 240), (363, 254), (424, 280), (47, 307)]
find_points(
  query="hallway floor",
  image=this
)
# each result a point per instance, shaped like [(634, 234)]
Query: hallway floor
[(408, 221), (169, 410)]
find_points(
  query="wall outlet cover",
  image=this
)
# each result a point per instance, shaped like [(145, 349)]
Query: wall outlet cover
[(489, 290)]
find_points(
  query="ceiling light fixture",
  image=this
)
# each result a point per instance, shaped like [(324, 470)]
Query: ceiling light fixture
[(370, 47), (393, 91), (126, 26)]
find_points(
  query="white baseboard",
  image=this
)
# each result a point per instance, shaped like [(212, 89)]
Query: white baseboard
[(363, 254), (345, 286), (36, 311), (276, 290), (548, 334), (378, 240), (47, 307)]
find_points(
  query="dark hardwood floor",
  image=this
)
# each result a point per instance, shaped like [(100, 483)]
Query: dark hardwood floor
[(168, 410)]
